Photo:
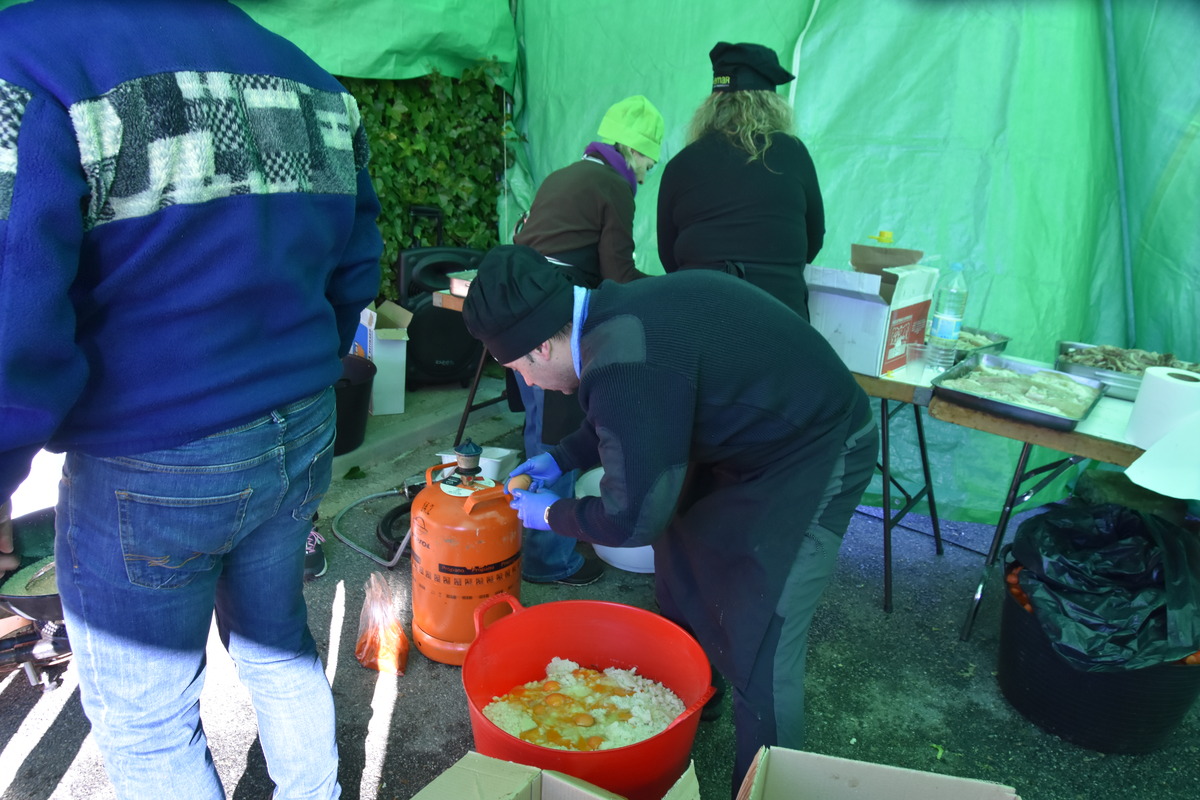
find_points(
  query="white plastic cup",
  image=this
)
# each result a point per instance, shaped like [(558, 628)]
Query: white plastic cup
[(916, 359)]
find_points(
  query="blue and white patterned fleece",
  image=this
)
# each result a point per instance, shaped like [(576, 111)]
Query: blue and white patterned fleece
[(187, 229)]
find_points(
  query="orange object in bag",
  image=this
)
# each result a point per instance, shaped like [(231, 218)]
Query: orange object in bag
[(382, 644)]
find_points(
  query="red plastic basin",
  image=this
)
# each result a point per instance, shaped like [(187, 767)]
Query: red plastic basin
[(516, 648)]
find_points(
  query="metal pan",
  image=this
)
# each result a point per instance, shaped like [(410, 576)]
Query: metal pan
[(1009, 410), (997, 344), (1116, 384)]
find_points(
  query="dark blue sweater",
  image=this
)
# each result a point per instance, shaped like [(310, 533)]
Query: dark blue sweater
[(187, 229), (719, 417)]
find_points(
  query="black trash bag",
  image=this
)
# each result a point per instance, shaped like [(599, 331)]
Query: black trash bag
[(1112, 588)]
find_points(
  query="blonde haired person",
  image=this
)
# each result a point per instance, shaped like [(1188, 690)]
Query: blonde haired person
[(582, 220), (743, 196)]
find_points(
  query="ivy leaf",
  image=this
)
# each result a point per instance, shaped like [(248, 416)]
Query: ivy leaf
[(441, 141)]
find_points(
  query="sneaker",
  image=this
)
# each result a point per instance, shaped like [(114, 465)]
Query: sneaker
[(314, 556), (586, 575), (714, 707)]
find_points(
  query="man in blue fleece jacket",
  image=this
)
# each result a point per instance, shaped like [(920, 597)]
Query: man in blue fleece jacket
[(187, 236)]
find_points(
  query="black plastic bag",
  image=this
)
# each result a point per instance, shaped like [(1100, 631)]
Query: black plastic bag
[(1112, 588)]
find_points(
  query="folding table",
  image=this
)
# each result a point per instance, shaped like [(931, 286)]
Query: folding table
[(902, 394), (443, 299), (1100, 437)]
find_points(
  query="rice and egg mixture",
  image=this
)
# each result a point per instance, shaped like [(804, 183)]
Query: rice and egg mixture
[(577, 708)]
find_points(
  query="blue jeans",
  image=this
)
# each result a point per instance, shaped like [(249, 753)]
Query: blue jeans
[(545, 555), (148, 547)]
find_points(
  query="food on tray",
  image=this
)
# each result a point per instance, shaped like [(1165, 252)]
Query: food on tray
[(1118, 359), (1044, 390), (32, 581), (970, 341), (577, 708)]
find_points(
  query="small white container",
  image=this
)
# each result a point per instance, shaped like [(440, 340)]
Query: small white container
[(494, 462), (631, 559)]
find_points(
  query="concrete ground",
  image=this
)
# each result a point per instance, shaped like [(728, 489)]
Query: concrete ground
[(895, 688)]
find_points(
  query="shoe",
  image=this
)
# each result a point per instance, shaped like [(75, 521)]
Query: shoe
[(314, 556), (714, 707), (586, 575), (716, 704)]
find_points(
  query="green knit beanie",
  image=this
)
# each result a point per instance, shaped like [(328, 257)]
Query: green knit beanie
[(634, 122)]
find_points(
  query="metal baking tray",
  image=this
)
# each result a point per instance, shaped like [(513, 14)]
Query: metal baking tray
[(1006, 409), (998, 343), (1116, 384)]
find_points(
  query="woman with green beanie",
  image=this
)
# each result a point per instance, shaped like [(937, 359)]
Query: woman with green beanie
[(582, 214), (743, 195), (582, 220)]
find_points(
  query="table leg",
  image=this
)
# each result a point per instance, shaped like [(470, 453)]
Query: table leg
[(472, 405), (1009, 501), (933, 516), (885, 469), (1021, 475)]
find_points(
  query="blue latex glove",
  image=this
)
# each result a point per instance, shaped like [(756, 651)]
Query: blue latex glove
[(543, 469), (531, 507)]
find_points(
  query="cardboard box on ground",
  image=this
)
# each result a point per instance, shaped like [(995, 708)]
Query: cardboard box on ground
[(871, 313), (781, 774), (776, 774), (479, 777), (383, 338)]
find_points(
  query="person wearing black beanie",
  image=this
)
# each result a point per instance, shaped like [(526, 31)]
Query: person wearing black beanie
[(743, 195), (739, 459)]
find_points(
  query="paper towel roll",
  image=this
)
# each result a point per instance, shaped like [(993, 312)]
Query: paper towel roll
[(1166, 396), (1172, 465)]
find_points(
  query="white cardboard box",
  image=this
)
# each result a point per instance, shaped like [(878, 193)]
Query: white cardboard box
[(781, 774), (871, 313), (383, 337), (480, 777)]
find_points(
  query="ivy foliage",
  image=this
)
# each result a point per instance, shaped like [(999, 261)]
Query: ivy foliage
[(436, 142)]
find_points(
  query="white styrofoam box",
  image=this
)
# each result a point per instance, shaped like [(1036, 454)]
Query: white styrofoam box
[(494, 463), (383, 337), (391, 359)]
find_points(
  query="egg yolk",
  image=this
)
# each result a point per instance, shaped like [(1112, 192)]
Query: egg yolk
[(567, 717)]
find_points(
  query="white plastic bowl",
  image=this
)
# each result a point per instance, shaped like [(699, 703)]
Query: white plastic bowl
[(630, 559)]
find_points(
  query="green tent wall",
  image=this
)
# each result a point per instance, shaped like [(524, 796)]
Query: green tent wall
[(1048, 145)]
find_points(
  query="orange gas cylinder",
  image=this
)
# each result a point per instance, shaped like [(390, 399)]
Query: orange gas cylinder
[(466, 547)]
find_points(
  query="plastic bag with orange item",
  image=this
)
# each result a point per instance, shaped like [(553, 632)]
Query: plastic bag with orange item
[(1112, 587), (381, 644)]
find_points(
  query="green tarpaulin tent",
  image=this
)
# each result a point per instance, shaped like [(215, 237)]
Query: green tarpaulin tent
[(1051, 146)]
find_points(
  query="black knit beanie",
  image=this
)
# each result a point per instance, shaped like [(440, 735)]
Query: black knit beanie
[(517, 300)]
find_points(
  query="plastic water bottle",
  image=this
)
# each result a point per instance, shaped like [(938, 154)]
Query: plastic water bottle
[(945, 325)]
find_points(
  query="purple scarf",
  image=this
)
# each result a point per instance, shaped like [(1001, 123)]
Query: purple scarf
[(614, 159)]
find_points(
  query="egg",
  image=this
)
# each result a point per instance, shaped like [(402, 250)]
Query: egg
[(579, 708)]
